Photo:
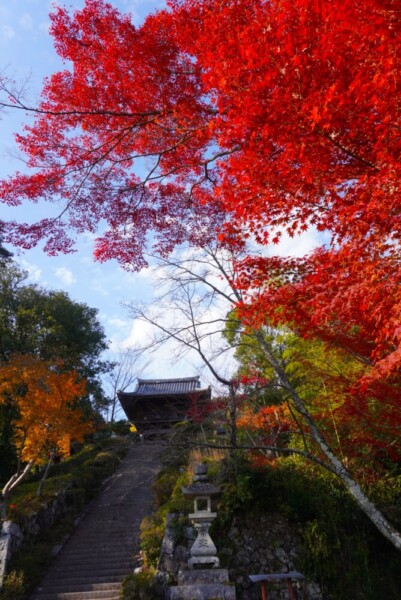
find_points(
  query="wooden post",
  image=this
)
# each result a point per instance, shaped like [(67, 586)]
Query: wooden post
[(291, 590)]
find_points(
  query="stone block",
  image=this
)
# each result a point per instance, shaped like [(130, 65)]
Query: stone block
[(202, 576), (211, 591)]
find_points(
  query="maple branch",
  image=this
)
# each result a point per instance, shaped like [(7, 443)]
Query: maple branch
[(347, 151), (18, 104), (268, 448), (300, 428)]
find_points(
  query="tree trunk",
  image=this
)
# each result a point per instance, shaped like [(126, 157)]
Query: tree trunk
[(377, 518), (45, 474), (232, 413), (11, 484)]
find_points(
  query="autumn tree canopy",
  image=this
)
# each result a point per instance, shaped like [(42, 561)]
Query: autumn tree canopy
[(46, 416), (251, 118), (49, 326), (235, 120)]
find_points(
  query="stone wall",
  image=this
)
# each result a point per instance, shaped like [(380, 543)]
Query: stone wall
[(267, 544), (13, 536)]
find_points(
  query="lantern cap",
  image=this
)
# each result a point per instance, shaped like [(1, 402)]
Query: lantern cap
[(201, 489)]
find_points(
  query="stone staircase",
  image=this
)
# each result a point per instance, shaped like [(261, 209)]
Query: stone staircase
[(104, 548)]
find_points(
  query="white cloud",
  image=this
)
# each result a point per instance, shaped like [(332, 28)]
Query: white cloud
[(140, 334), (119, 323), (65, 276), (6, 33), (26, 21), (34, 272), (298, 245), (100, 288)]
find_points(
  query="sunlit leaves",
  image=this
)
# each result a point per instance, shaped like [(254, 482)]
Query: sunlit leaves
[(45, 401)]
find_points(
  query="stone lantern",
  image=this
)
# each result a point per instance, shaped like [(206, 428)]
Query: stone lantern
[(203, 551)]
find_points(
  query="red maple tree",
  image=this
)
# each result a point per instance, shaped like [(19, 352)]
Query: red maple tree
[(246, 118)]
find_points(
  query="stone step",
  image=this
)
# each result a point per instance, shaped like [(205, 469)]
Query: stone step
[(91, 548), (69, 573), (109, 542), (124, 533), (100, 568), (104, 559), (104, 548), (64, 586), (78, 596), (84, 553), (54, 580)]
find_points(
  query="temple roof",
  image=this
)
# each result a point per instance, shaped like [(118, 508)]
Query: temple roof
[(162, 387), (163, 401)]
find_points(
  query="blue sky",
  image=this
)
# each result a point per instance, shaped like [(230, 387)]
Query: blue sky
[(27, 53)]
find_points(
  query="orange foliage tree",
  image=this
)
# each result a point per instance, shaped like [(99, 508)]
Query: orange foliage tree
[(46, 418)]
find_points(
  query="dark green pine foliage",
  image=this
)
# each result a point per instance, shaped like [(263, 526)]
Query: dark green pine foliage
[(49, 325)]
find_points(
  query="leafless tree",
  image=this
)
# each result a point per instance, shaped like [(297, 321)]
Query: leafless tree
[(197, 294), (127, 369), (192, 309)]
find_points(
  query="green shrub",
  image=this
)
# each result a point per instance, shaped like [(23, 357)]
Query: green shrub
[(13, 587), (163, 486), (140, 586), (152, 533), (340, 548)]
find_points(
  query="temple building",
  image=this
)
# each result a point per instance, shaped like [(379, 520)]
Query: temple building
[(159, 403)]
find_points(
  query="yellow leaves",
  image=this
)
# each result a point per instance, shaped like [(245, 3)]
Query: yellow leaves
[(45, 402)]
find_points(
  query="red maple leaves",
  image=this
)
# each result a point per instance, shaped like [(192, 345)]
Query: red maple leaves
[(235, 119)]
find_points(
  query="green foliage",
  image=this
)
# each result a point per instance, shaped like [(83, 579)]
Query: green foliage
[(81, 475), (152, 532), (7, 448), (140, 586), (169, 499), (13, 587), (181, 442), (121, 427), (163, 486), (340, 548), (49, 325)]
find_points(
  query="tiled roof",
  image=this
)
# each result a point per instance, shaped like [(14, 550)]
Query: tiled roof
[(151, 387)]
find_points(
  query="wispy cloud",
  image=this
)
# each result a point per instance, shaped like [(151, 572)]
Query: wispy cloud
[(6, 33), (119, 323), (26, 21), (34, 272), (65, 276)]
